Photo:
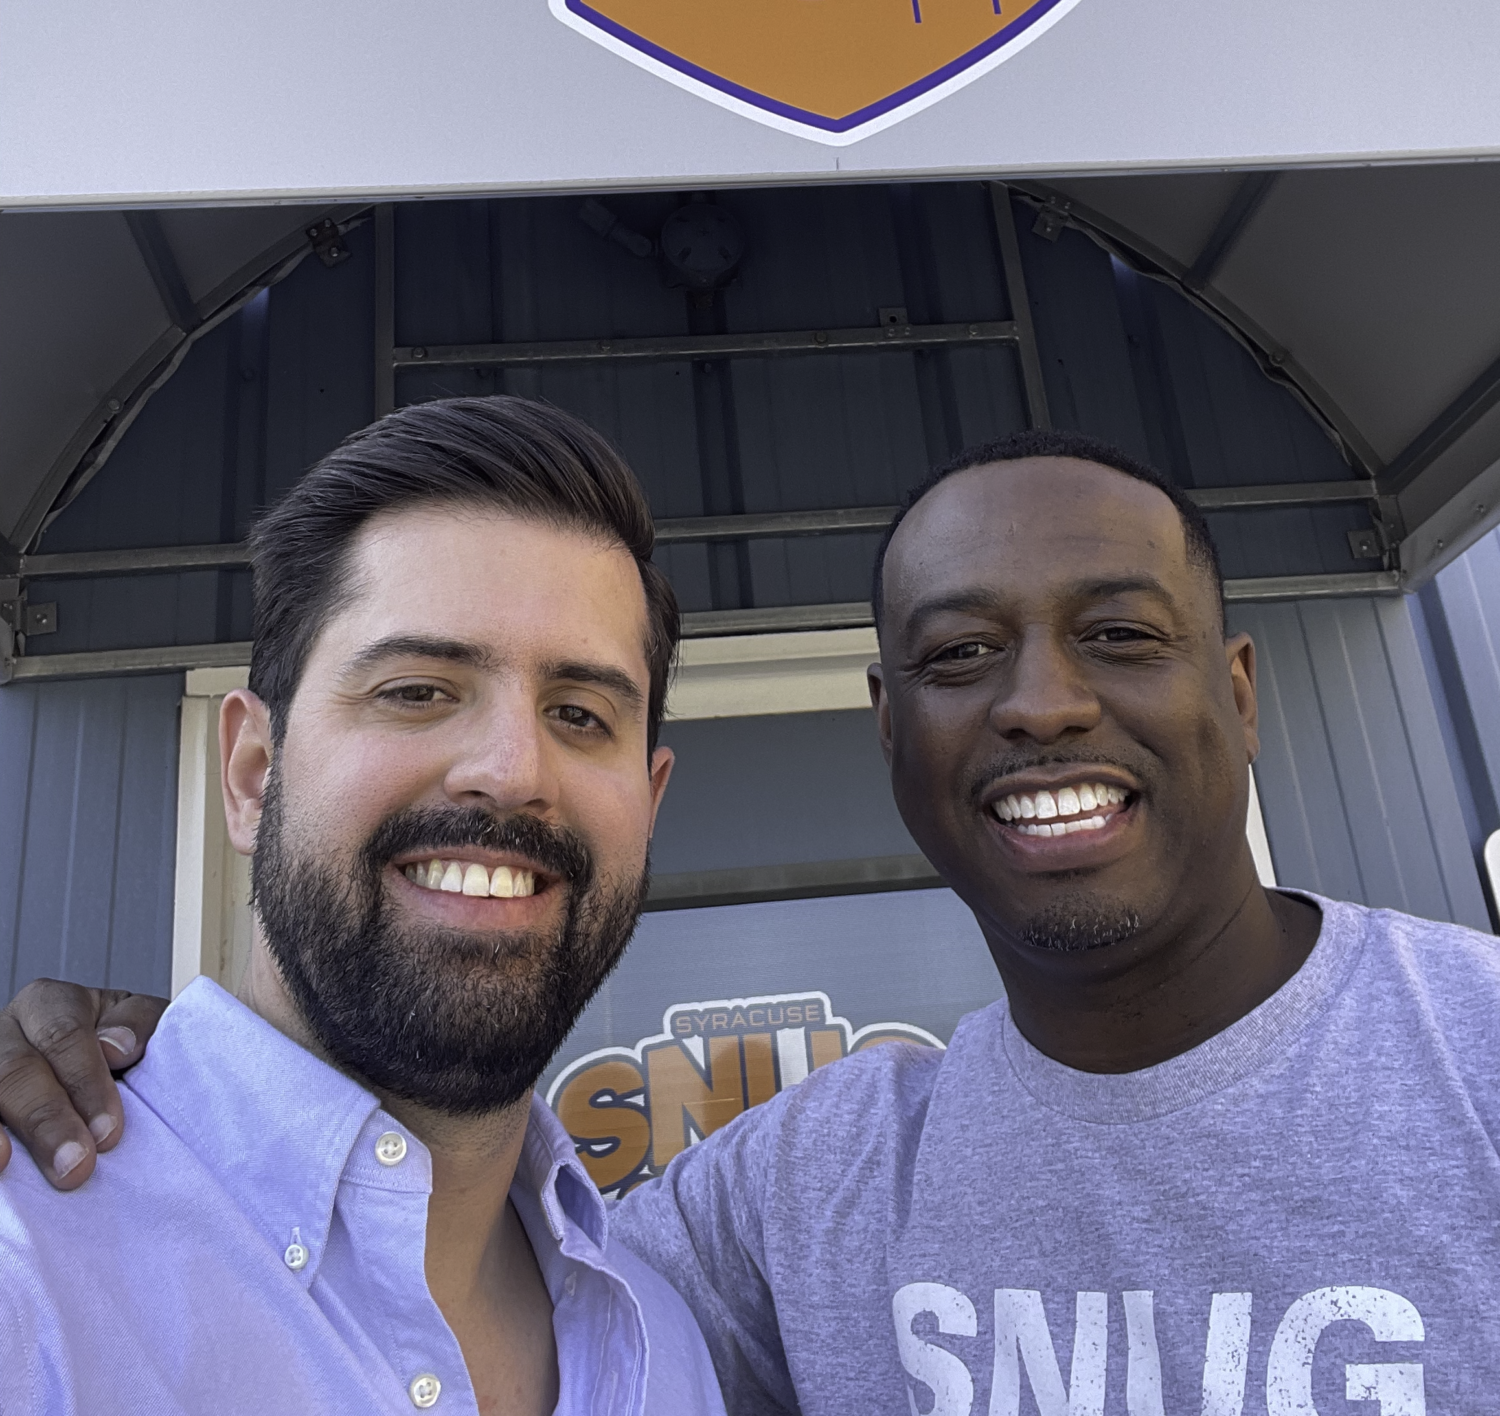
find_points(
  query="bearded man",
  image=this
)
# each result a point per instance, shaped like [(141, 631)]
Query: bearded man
[(336, 1192)]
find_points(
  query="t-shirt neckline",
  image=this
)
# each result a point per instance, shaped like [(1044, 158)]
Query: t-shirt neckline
[(1123, 1098)]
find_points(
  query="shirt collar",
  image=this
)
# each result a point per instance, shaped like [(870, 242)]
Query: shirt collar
[(549, 1168), (274, 1124), (280, 1128)]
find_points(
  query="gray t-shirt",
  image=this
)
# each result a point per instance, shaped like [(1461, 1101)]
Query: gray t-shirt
[(1300, 1216)]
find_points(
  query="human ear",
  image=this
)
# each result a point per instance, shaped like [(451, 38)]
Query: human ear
[(1239, 650), (880, 701), (662, 761), (245, 752)]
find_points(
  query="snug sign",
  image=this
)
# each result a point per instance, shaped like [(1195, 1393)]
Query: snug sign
[(834, 70), (630, 1110)]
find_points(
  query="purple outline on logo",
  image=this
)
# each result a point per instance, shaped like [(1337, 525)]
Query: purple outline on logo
[(800, 115)]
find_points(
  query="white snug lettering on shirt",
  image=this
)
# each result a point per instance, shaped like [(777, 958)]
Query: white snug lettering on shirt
[(943, 1374), (1022, 1339), (1389, 1316)]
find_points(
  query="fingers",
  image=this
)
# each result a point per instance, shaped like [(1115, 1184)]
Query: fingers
[(39, 1112), (56, 1093), (124, 1024)]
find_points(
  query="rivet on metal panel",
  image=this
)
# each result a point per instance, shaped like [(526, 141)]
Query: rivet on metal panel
[(820, 336), (419, 352)]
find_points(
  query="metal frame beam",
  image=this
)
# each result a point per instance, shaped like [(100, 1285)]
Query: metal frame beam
[(1479, 398), (776, 619), (657, 349), (1038, 414), (161, 263), (1225, 236), (677, 530)]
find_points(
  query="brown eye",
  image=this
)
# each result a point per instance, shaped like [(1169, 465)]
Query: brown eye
[(957, 653), (576, 717)]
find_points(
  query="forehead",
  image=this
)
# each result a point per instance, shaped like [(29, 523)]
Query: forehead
[(1035, 525), (487, 577)]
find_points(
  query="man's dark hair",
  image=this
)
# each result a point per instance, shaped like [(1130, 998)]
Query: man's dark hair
[(507, 454), (1036, 443)]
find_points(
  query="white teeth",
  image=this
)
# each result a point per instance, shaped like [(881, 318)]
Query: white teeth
[(415, 872), (1087, 800), (476, 880), (1046, 806), (501, 884), (434, 874), (453, 878), (1067, 802), (1064, 828), (525, 882), (1028, 808)]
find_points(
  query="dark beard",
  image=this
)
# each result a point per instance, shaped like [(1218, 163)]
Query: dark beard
[(461, 1023), (1079, 922)]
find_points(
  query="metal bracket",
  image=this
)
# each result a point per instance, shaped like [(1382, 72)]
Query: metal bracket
[(1365, 545), (1051, 219), (327, 241), (38, 619)]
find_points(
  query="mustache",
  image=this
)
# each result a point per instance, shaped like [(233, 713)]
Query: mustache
[(556, 849), (1024, 759)]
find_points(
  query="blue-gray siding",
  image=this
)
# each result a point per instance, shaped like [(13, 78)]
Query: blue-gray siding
[(88, 829)]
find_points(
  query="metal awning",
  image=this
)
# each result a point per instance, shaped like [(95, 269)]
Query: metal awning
[(1374, 292)]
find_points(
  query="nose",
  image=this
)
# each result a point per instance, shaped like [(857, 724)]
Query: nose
[(1045, 694), (501, 760)]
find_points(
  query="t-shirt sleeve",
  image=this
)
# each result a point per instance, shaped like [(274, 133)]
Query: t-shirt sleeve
[(701, 1226)]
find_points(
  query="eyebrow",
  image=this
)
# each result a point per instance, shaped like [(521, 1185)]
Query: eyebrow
[(983, 601), (419, 646), (616, 680)]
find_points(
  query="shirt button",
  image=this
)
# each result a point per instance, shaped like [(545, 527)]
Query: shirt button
[(295, 1256), (390, 1149), (424, 1390)]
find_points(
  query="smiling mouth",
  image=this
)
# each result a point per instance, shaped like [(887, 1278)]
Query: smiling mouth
[(1065, 812), (464, 877)]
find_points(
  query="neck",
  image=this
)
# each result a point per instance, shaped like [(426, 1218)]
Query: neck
[(474, 1161), (1136, 1004)]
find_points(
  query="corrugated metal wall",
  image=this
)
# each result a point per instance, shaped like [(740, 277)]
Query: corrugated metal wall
[(1354, 792), (88, 779), (1462, 619), (1359, 796)]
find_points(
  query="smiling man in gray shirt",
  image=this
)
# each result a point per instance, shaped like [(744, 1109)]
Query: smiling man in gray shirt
[(1221, 1149)]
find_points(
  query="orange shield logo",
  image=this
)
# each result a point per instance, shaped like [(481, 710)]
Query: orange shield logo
[(833, 70), (631, 1109)]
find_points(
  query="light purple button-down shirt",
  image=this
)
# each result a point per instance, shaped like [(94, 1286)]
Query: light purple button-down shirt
[(256, 1241)]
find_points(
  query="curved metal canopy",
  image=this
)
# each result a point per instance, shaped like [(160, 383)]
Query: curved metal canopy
[(1375, 292)]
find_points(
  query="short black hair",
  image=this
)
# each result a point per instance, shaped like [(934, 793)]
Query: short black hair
[(512, 454), (1201, 550)]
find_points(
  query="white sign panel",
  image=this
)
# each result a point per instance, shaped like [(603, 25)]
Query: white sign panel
[(165, 101)]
